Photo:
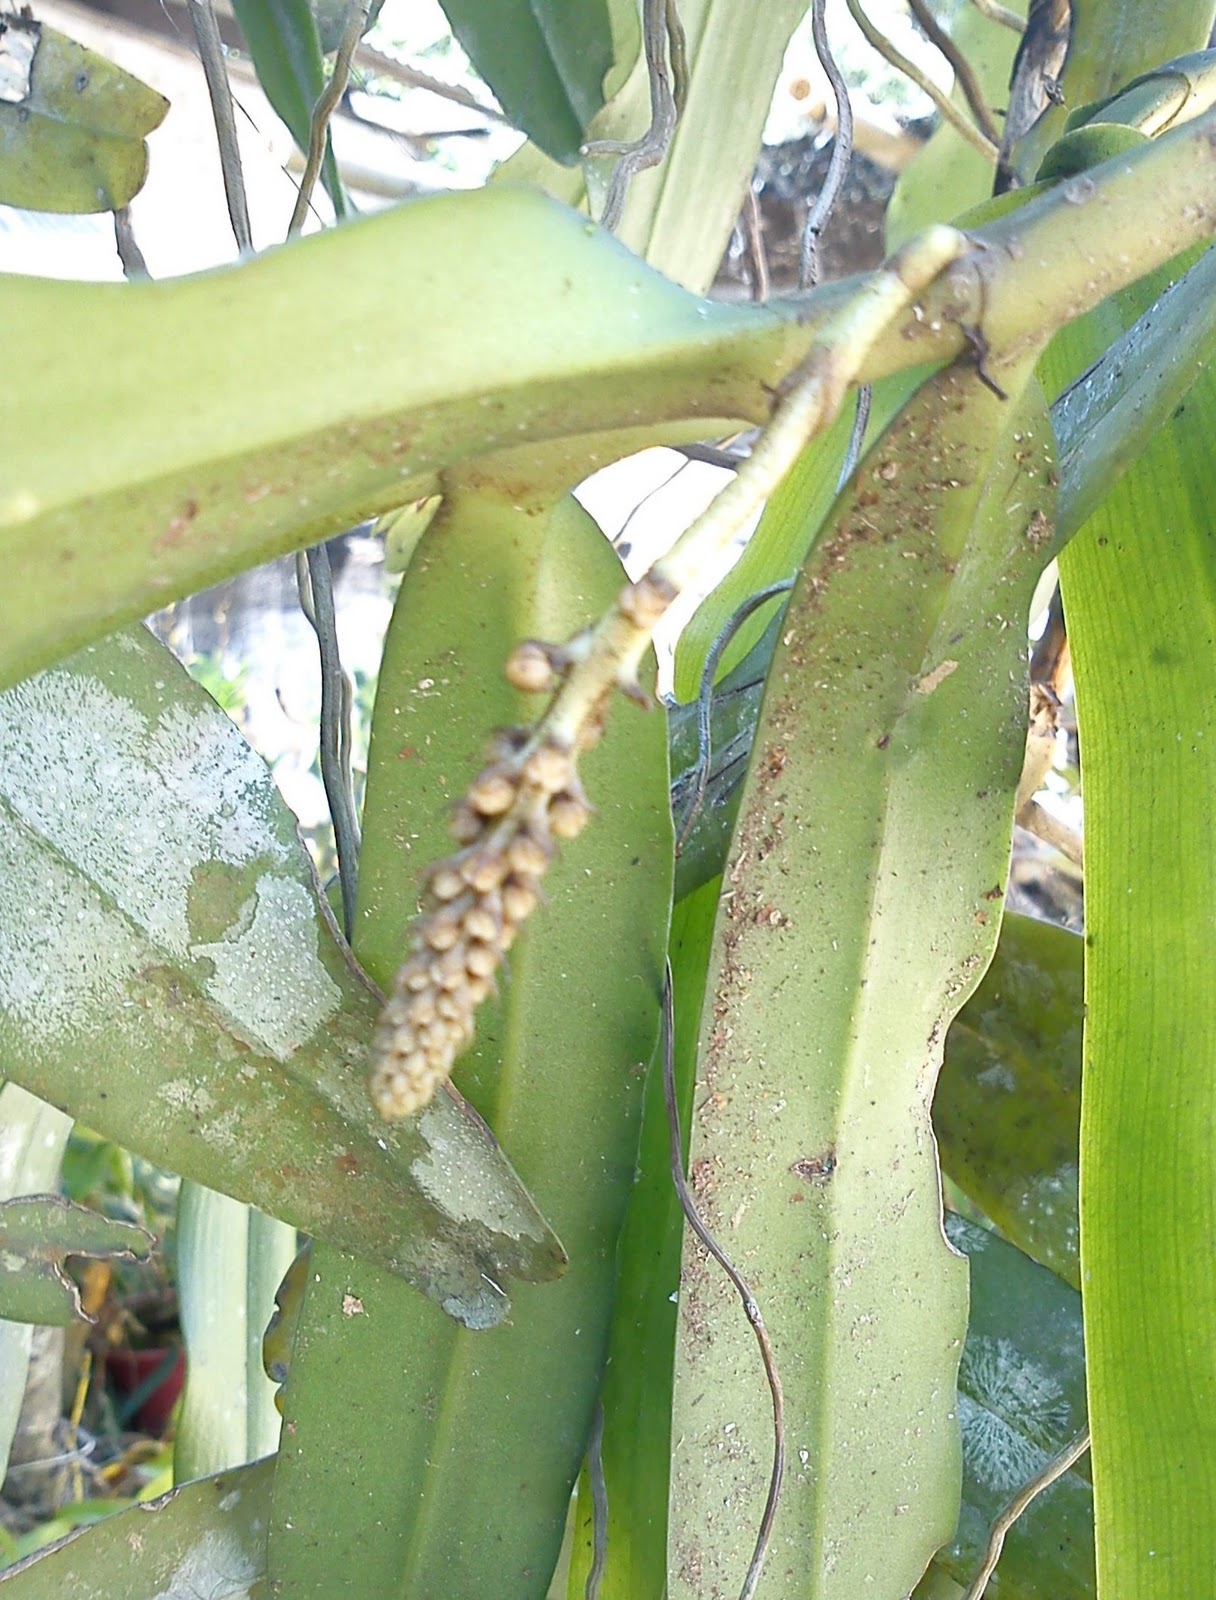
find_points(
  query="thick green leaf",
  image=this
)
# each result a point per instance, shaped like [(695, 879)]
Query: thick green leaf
[(1140, 591), (546, 61), (286, 51), (36, 1233), (168, 975), (1021, 1400), (202, 1542), (1102, 422), (72, 125), (890, 742), (1008, 1103), (522, 323), (159, 497), (1131, 596), (470, 1448)]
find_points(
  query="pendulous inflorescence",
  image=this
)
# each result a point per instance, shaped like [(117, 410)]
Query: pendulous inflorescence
[(528, 796), (526, 799)]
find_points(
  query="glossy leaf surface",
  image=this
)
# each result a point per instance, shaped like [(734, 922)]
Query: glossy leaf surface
[(167, 974), (546, 61), (1008, 1104)]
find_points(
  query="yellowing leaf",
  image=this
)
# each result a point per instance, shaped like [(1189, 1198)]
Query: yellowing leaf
[(72, 124)]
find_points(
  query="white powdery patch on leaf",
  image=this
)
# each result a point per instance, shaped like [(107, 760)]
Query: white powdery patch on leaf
[(1049, 1194), (460, 1184), (63, 959), (1012, 1414), (106, 814), (267, 975), (134, 804), (218, 1565)]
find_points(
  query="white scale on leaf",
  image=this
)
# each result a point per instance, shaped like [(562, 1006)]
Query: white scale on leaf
[(217, 1564), (105, 815), (1013, 1414)]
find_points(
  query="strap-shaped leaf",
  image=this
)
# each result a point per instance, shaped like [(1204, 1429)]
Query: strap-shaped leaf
[(635, 1449), (168, 975), (286, 51), (156, 498), (462, 1483), (1140, 590), (546, 61), (864, 890)]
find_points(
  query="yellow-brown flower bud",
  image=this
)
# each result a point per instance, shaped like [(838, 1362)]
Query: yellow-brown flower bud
[(493, 792), (530, 668)]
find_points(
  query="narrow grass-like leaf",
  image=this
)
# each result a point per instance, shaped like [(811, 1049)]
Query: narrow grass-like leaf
[(72, 124), (889, 746), (286, 52), (167, 973), (206, 1541), (470, 1449), (1008, 1103), (546, 61), (1140, 591), (36, 1233)]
